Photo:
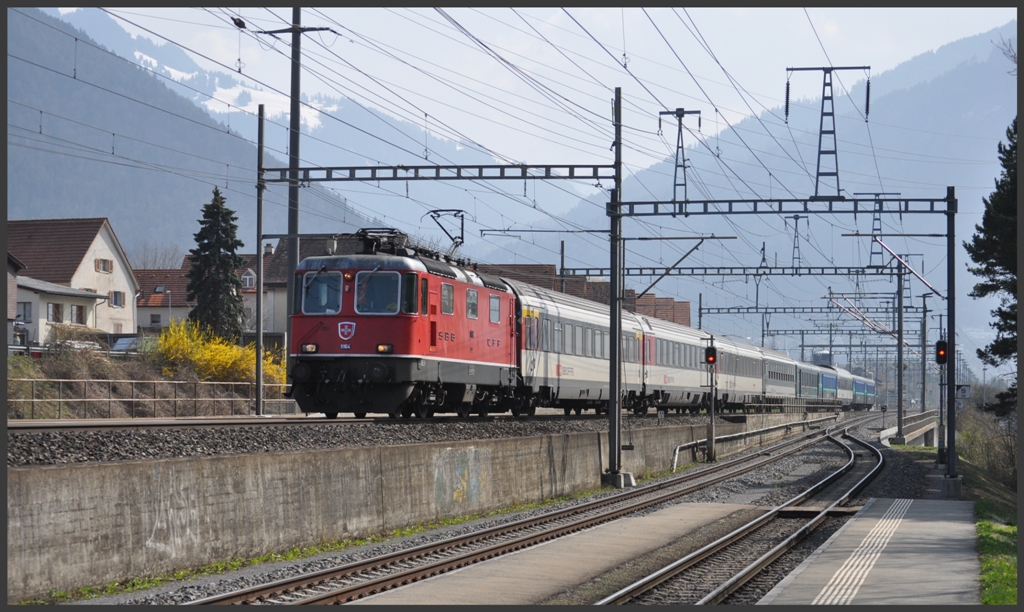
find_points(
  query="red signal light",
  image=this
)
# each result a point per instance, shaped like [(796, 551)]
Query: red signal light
[(710, 355)]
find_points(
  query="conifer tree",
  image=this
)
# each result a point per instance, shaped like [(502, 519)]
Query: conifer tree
[(212, 281), (994, 249)]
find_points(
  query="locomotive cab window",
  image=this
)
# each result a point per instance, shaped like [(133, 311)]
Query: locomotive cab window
[(424, 295), (447, 299), (409, 305), (377, 292), (495, 309), (471, 303), (321, 292)]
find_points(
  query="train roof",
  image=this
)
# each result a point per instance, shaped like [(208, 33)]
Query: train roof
[(562, 299), (414, 263)]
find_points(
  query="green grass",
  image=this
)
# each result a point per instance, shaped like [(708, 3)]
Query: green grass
[(997, 552), (995, 508), (995, 511)]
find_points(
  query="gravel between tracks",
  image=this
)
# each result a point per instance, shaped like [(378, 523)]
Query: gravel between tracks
[(62, 447)]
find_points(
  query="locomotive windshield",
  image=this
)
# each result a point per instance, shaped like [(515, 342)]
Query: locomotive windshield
[(377, 292), (321, 293)]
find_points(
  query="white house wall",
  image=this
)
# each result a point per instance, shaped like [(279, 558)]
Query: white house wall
[(39, 329), (104, 246)]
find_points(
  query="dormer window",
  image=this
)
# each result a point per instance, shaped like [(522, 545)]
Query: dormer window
[(248, 280)]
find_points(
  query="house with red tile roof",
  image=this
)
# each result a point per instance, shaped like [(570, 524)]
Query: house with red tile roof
[(162, 298), (82, 255)]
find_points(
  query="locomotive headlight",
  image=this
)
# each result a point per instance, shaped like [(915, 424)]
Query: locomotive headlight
[(349, 276), (310, 348), (384, 348)]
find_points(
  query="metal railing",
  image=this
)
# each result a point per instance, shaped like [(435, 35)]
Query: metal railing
[(29, 398)]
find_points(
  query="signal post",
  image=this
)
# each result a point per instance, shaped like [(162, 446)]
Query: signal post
[(711, 360)]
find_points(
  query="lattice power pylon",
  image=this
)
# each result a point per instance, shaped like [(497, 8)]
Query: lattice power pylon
[(876, 224), (827, 151), (679, 113), (796, 237)]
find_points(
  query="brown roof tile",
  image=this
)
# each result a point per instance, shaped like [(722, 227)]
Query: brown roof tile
[(52, 249), (277, 269), (173, 280)]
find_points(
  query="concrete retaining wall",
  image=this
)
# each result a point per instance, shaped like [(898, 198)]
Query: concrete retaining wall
[(91, 524)]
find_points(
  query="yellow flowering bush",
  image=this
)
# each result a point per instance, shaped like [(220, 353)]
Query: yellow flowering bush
[(187, 343)]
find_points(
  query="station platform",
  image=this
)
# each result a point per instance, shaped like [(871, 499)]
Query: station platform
[(541, 573), (893, 552)]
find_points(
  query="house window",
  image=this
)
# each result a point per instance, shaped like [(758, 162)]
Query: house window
[(116, 299), (54, 312), (105, 265), (78, 314), (154, 320), (25, 312), (248, 281), (159, 289), (471, 303)]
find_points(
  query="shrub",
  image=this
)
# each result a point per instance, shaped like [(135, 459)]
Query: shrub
[(192, 346), (989, 442)]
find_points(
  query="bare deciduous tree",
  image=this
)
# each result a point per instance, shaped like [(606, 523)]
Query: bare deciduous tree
[(146, 255), (1011, 54)]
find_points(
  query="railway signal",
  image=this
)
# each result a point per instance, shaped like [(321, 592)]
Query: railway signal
[(940, 352), (710, 355)]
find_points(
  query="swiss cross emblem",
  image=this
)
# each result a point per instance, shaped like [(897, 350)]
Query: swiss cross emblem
[(346, 330)]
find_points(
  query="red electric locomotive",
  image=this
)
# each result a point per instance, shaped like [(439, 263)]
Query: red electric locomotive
[(394, 331)]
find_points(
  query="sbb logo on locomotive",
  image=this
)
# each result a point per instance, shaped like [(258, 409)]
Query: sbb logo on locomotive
[(346, 330)]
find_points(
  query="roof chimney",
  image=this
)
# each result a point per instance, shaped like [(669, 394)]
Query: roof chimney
[(268, 249)]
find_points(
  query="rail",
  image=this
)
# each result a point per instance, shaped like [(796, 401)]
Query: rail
[(29, 398), (732, 583), (743, 435)]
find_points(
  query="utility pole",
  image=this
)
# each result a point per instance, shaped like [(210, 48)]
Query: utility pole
[(615, 476), (561, 270), (899, 355), (924, 349), (296, 31), (951, 315), (942, 401), (984, 391), (260, 186)]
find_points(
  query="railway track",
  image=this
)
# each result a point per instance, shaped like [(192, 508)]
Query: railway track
[(716, 571), (55, 425), (352, 581)]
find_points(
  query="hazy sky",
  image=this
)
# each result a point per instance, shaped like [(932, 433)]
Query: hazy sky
[(672, 52), (535, 85)]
